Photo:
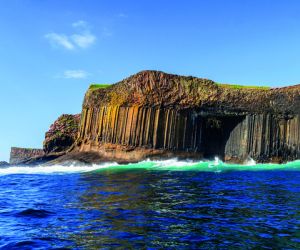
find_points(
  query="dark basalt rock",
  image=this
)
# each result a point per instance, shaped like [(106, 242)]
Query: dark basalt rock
[(4, 164), (24, 155), (153, 113), (58, 140), (62, 134)]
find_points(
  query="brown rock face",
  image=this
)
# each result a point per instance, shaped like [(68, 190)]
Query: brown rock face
[(24, 155), (154, 113), (155, 88), (62, 134)]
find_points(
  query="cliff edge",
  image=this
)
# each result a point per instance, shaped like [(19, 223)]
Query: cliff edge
[(157, 114), (62, 134), (59, 139)]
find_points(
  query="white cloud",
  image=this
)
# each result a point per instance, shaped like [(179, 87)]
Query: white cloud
[(61, 40), (83, 38), (75, 74)]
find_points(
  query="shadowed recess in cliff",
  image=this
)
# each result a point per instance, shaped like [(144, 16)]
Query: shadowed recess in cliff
[(264, 137)]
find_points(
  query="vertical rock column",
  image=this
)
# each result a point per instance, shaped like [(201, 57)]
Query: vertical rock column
[(264, 136), (151, 127)]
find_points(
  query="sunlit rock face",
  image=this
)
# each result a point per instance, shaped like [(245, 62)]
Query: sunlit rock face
[(154, 113)]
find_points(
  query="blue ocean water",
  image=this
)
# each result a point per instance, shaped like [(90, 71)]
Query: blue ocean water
[(151, 205)]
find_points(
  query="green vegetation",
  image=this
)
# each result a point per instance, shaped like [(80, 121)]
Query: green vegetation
[(236, 86), (68, 122), (94, 86)]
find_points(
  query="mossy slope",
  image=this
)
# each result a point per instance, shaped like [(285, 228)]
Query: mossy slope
[(156, 88)]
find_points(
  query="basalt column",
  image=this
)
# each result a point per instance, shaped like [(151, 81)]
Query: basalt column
[(264, 137), (153, 113), (150, 127)]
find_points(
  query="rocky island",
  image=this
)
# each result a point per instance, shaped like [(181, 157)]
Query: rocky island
[(155, 114)]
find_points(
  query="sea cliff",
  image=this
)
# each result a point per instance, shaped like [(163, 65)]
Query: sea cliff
[(59, 140), (62, 134), (163, 115), (153, 114), (24, 155)]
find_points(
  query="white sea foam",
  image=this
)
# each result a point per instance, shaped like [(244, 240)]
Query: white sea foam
[(250, 162), (71, 168), (216, 163), (170, 164), (174, 162)]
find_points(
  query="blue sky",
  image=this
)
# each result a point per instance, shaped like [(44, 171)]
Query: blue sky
[(51, 50)]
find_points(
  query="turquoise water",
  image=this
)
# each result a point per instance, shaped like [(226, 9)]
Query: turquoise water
[(163, 165), (205, 166), (168, 204)]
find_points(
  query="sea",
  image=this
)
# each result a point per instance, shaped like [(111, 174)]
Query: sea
[(168, 204)]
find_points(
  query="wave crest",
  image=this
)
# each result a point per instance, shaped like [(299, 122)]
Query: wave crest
[(173, 164)]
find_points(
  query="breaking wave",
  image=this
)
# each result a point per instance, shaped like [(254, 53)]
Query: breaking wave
[(54, 169), (169, 164)]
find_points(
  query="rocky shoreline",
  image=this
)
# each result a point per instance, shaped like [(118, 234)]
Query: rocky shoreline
[(4, 164), (157, 115)]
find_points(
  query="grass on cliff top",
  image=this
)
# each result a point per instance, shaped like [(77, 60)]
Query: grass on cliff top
[(236, 86), (94, 86)]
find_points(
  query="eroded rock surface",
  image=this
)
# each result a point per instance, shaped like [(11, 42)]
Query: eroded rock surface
[(24, 155), (154, 113), (62, 134)]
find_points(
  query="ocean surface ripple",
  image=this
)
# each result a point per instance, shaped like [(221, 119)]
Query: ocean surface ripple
[(168, 204)]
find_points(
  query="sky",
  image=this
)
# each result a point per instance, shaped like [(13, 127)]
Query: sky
[(52, 50)]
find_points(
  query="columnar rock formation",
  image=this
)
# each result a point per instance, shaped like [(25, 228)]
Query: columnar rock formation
[(154, 113), (265, 137), (157, 114)]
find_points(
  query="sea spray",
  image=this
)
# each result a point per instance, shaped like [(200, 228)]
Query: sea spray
[(249, 162), (173, 164), (54, 169)]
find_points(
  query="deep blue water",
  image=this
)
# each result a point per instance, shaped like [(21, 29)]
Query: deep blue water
[(150, 209)]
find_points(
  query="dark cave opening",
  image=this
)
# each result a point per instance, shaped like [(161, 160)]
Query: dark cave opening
[(215, 134)]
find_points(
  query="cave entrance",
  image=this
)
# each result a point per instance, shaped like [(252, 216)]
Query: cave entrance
[(215, 134)]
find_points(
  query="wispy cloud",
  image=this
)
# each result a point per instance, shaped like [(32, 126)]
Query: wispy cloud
[(60, 40), (75, 74), (83, 38)]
